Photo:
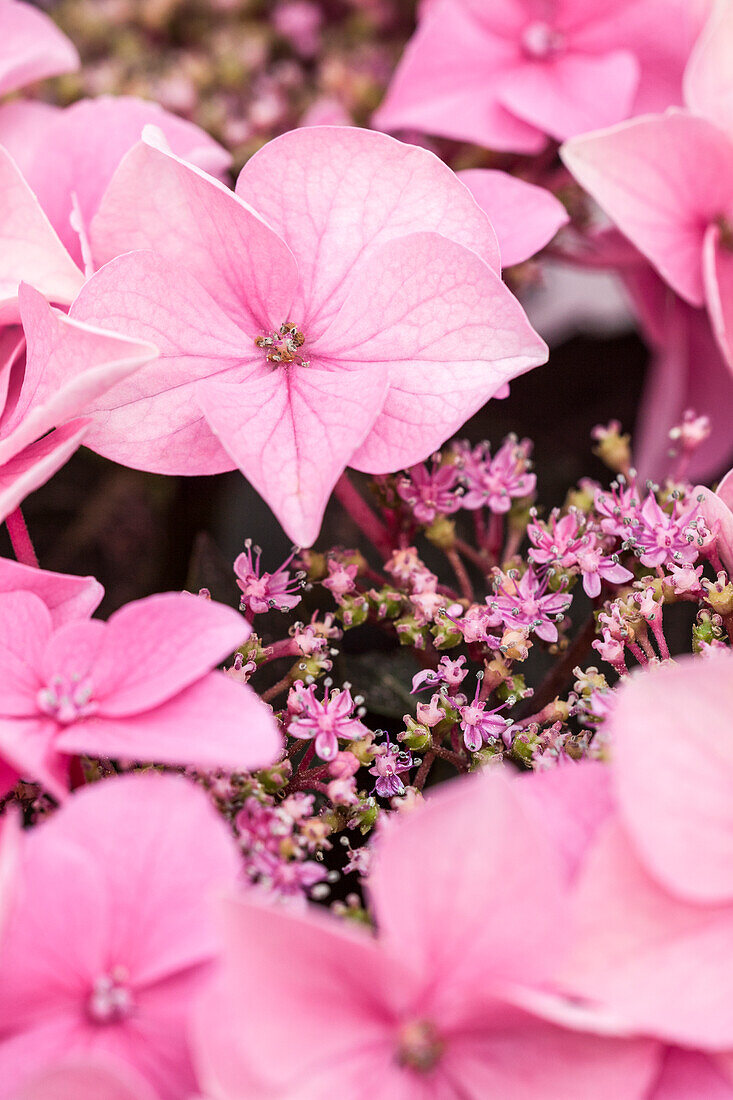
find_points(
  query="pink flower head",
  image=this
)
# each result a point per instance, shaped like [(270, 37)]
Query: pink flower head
[(420, 1012), (139, 686), (67, 157), (568, 544), (389, 764), (667, 180), (32, 47), (654, 903), (619, 508), (525, 217), (326, 719), (111, 937), (449, 671), (664, 538), (479, 725), (509, 74), (430, 492), (263, 592), (525, 602), (494, 482), (341, 578), (66, 597), (68, 366), (298, 347)]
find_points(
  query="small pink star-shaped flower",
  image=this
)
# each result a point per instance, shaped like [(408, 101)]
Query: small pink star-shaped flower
[(343, 308)]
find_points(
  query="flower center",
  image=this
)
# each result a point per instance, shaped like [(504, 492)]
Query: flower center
[(283, 347), (111, 998), (67, 698), (419, 1047), (541, 40)]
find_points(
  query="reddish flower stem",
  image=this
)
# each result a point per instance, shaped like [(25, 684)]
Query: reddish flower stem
[(20, 539), (464, 581), (365, 519)]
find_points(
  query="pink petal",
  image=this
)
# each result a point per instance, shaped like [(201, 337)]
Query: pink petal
[(55, 389), (293, 432), (524, 1059), (672, 723), (27, 749), (687, 1074), (719, 517), (573, 93), (635, 948), (449, 331), (323, 984), (718, 271), (72, 650), (75, 152), (67, 597), (662, 180), (156, 201), (32, 47), (420, 886), (152, 422), (36, 464), (30, 251), (122, 875), (360, 189), (447, 82), (153, 648), (571, 803), (11, 839), (525, 217), (90, 1079), (216, 724), (708, 76), (687, 372)]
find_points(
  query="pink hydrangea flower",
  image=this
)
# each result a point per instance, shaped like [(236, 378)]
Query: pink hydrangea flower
[(667, 180), (419, 1012), (298, 346), (111, 936), (654, 902), (494, 482), (510, 73), (390, 763), (262, 592), (139, 686), (664, 538), (67, 366), (68, 156), (479, 725), (430, 492), (66, 597), (326, 719), (525, 602), (32, 47)]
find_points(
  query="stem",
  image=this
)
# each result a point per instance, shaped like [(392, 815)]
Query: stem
[(472, 555), (424, 770), (464, 581), (20, 539), (365, 519), (452, 757), (276, 689), (560, 674)]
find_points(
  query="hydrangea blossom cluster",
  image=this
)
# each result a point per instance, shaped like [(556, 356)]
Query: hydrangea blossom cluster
[(322, 844)]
